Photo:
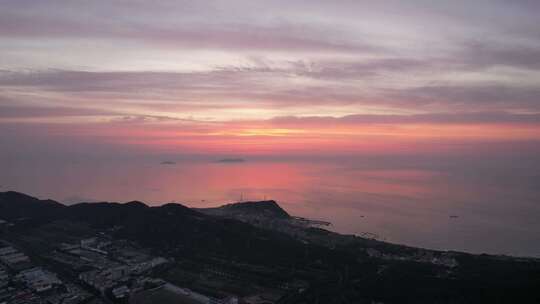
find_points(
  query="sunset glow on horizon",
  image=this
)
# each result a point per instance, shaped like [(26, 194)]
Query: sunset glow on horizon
[(269, 78)]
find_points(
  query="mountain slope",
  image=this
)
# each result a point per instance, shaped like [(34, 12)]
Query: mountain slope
[(15, 205), (269, 209), (168, 227)]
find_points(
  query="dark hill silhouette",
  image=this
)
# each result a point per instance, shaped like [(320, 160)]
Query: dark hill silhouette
[(136, 203), (167, 226), (15, 205), (268, 209), (344, 270)]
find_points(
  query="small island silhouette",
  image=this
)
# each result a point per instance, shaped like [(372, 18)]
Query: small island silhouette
[(231, 160), (168, 162)]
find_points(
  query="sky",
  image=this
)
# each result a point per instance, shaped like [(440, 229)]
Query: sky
[(268, 78)]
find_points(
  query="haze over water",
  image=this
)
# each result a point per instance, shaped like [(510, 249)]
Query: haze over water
[(408, 201)]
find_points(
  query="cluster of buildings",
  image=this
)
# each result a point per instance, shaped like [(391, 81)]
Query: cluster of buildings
[(104, 264), (110, 267), (12, 258), (104, 280), (446, 259), (94, 270), (21, 281), (123, 273), (38, 279)]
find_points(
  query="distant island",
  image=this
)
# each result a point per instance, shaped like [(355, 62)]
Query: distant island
[(231, 160), (246, 252), (168, 162)]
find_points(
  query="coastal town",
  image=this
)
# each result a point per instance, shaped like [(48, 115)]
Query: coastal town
[(94, 270), (69, 263), (239, 253), (94, 267)]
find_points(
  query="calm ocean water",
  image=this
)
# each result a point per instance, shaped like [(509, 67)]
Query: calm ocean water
[(473, 205)]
